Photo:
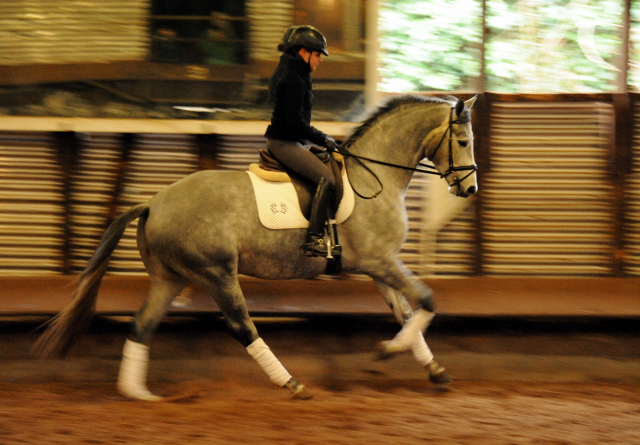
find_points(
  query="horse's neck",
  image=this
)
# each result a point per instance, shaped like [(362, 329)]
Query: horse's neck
[(397, 139)]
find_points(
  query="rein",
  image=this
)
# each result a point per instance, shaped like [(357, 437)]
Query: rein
[(343, 151)]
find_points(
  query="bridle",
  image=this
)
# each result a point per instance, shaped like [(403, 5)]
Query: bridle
[(430, 168)]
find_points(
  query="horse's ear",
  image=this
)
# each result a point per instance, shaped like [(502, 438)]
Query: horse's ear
[(459, 107), (469, 103)]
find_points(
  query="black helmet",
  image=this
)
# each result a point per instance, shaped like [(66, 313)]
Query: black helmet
[(308, 37), (284, 45)]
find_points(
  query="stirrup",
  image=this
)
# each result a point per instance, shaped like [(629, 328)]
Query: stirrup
[(318, 248)]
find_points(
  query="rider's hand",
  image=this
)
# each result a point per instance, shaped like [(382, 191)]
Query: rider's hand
[(330, 144)]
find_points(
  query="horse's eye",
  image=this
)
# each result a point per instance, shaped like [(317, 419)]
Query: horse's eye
[(462, 143)]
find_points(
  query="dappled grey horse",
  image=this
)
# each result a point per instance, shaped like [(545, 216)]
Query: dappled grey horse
[(204, 229)]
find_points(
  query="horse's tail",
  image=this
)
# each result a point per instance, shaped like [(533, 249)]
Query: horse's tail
[(65, 328)]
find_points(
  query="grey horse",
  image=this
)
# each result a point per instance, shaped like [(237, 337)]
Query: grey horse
[(204, 229)]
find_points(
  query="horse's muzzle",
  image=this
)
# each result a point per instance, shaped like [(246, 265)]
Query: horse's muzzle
[(463, 193)]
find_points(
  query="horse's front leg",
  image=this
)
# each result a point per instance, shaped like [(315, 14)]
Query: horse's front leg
[(403, 312), (393, 273)]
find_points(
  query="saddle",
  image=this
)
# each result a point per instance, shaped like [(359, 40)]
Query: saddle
[(270, 169)]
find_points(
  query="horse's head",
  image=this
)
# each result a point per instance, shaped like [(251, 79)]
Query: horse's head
[(453, 157)]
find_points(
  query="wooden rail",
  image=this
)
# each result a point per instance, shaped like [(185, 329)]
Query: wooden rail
[(478, 296)]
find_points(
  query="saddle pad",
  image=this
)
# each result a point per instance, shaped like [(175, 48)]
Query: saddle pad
[(279, 208)]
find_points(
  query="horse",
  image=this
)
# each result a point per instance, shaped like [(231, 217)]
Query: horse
[(204, 229)]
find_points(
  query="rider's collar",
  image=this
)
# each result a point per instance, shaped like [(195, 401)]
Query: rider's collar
[(299, 64)]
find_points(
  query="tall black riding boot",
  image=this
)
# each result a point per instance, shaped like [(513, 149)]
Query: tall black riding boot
[(315, 245)]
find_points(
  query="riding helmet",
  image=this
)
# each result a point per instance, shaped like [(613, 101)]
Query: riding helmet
[(308, 37), (284, 45)]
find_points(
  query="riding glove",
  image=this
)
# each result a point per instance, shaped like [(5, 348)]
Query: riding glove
[(330, 144)]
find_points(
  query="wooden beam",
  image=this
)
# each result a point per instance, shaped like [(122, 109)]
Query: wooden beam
[(207, 145), (476, 297), (481, 124), (552, 97), (142, 70), (68, 148), (621, 166), (130, 70), (127, 142)]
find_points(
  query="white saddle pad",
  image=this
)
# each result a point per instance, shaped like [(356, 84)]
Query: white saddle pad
[(279, 208)]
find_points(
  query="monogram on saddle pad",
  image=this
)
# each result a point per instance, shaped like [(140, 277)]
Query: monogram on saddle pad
[(284, 197)]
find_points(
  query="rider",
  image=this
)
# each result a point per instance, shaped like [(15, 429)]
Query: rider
[(290, 127), (282, 65)]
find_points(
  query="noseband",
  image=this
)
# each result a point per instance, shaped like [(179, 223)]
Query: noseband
[(431, 168)]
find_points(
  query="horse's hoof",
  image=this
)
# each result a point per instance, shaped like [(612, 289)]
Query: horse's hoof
[(437, 374), (138, 394), (298, 390), (382, 353), (389, 348), (302, 393)]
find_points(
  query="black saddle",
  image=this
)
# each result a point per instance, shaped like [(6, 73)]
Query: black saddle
[(305, 189)]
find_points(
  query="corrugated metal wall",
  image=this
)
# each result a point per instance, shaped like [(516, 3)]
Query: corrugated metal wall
[(548, 199), (69, 31), (32, 208), (632, 202)]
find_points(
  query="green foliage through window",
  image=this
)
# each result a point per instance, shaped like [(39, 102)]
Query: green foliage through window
[(531, 45), (429, 44)]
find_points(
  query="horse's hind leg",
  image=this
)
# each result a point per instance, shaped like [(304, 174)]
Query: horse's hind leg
[(403, 312), (132, 378), (231, 303)]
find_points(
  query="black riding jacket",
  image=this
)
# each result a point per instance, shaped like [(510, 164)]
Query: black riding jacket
[(291, 116)]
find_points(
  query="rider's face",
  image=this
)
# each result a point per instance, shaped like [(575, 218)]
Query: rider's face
[(315, 60), (312, 58)]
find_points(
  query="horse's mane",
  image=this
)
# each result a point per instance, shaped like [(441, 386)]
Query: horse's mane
[(396, 102)]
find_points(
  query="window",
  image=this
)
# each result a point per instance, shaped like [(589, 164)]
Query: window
[(201, 31), (634, 47), (429, 45), (553, 45), (543, 46)]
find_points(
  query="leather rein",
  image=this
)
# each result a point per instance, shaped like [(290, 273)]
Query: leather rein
[(343, 151)]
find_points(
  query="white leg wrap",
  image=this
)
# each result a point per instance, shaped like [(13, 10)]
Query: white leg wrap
[(415, 326), (132, 379), (421, 351), (265, 358)]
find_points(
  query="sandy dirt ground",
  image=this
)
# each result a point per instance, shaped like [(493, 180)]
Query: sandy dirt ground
[(517, 381)]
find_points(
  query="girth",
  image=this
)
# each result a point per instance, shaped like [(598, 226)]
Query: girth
[(306, 189)]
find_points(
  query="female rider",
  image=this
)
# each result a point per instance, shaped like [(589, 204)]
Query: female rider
[(290, 127)]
